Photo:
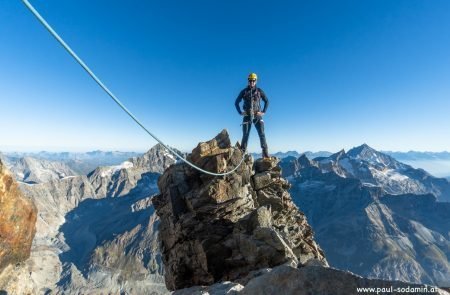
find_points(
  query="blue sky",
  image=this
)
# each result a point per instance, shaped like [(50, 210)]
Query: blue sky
[(337, 73)]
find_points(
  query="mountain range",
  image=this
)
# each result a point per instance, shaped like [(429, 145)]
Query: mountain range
[(31, 170), (371, 214), (95, 232), (374, 215), (281, 155), (80, 163)]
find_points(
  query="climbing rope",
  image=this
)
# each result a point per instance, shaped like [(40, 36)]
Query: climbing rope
[(116, 100)]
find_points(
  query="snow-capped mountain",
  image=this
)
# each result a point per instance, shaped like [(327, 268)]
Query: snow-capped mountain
[(157, 159), (81, 163), (31, 170), (96, 232), (120, 179), (373, 168), (374, 215), (296, 154)]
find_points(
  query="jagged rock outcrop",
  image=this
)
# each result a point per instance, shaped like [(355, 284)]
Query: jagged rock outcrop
[(131, 175), (17, 221), (223, 228), (157, 159)]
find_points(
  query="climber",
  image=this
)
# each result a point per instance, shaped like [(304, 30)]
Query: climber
[(252, 113)]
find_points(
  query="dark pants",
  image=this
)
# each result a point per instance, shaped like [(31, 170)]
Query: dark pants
[(247, 125)]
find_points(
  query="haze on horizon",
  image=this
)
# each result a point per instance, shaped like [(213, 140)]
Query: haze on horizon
[(337, 74)]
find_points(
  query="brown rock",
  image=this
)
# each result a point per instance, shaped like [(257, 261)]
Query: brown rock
[(211, 155), (266, 164), (223, 228), (17, 221), (262, 180)]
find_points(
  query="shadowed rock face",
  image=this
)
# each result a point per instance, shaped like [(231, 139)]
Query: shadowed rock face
[(95, 234), (17, 221), (366, 230), (222, 228)]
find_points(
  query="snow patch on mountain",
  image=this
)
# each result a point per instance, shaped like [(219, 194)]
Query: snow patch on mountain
[(32, 170), (114, 169), (169, 155), (376, 216), (345, 163)]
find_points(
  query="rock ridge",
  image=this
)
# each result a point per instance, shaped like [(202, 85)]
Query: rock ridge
[(224, 228)]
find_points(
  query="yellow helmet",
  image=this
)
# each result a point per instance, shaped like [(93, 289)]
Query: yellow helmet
[(252, 76)]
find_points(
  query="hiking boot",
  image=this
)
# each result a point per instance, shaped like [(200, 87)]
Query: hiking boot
[(265, 153)]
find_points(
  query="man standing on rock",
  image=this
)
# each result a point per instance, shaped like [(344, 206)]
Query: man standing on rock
[(252, 113)]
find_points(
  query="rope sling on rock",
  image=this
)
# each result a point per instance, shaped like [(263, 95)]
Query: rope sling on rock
[(116, 100)]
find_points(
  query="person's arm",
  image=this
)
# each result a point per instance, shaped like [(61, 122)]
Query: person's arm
[(265, 99), (238, 101)]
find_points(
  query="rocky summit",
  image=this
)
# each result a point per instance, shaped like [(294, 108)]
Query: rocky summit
[(228, 228), (17, 221)]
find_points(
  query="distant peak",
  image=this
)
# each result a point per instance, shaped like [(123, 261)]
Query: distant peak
[(361, 150), (156, 148), (303, 157), (304, 161), (365, 152), (338, 155), (364, 146)]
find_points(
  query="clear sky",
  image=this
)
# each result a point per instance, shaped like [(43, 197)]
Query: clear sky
[(337, 73)]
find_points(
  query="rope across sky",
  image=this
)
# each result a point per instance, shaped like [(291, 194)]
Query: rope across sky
[(116, 100)]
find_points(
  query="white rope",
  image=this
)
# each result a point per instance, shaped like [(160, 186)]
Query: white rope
[(116, 100)]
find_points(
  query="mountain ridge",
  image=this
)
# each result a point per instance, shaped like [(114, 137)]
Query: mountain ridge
[(376, 216), (95, 231)]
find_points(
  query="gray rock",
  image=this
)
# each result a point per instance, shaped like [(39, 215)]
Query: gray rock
[(315, 280), (157, 159), (95, 234), (262, 180), (32, 170), (262, 165), (319, 280), (225, 288), (368, 231)]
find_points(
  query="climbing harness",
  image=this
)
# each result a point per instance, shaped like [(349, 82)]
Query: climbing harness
[(116, 100), (252, 112)]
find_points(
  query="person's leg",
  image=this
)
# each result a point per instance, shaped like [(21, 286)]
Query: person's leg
[(259, 124), (246, 126)]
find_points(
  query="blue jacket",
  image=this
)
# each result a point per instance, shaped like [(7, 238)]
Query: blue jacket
[(248, 94)]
